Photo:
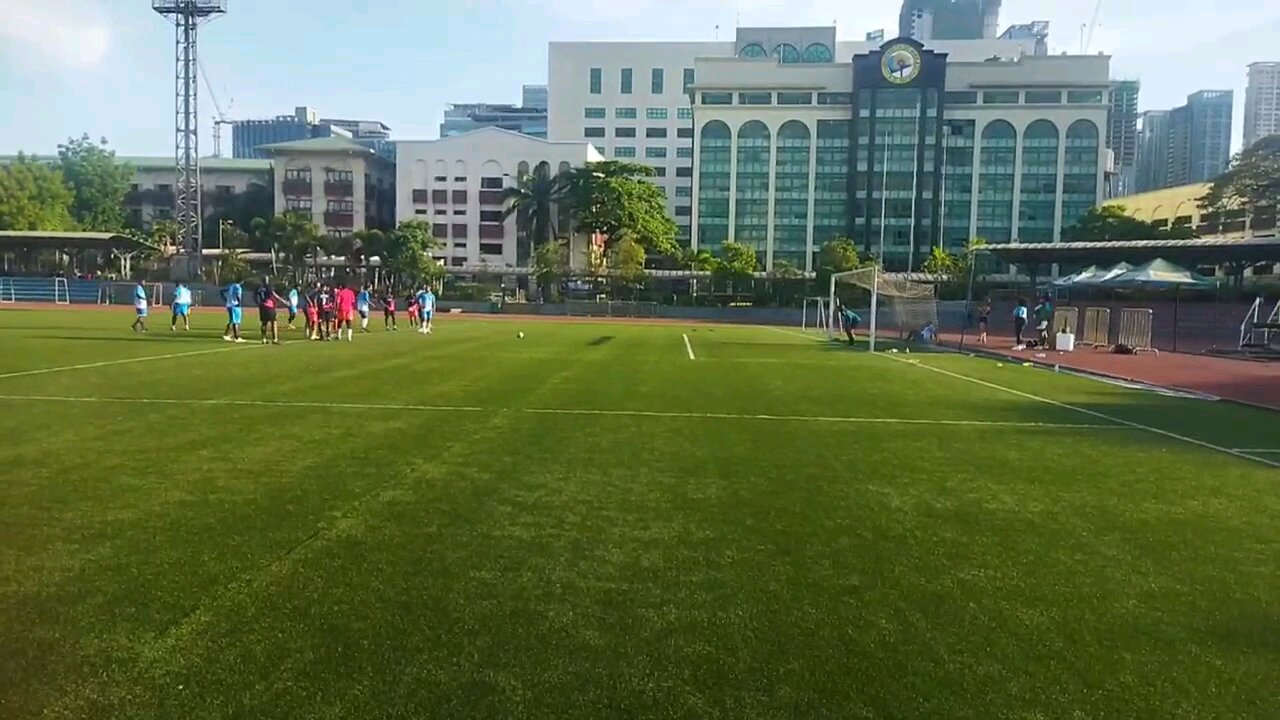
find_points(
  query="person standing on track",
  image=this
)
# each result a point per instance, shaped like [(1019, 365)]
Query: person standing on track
[(266, 298), (345, 301), (389, 310), (181, 308), (232, 294), (139, 308), (1019, 324), (984, 320)]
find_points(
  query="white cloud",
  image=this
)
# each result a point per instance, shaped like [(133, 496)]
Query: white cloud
[(58, 33)]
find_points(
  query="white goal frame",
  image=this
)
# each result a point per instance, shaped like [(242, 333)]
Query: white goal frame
[(157, 295), (61, 292), (814, 315), (875, 303), (895, 288), (8, 295)]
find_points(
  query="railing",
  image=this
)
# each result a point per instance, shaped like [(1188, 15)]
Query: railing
[(1246, 325), (296, 187), (1135, 329), (339, 219), (338, 188), (1097, 327)]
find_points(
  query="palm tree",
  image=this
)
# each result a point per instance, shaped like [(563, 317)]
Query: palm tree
[(533, 201)]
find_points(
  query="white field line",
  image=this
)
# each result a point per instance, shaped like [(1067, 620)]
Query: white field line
[(1243, 454), (123, 361), (1086, 411), (559, 411), (1256, 450), (688, 346)]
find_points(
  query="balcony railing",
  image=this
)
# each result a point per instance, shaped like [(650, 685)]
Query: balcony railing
[(339, 219), (338, 188), (296, 187)]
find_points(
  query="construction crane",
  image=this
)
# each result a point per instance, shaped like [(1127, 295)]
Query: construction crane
[(1086, 31), (219, 118)]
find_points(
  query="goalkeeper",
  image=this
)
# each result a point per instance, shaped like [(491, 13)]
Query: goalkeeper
[(849, 320)]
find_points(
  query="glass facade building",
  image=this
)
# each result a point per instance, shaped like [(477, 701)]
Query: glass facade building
[(907, 153)]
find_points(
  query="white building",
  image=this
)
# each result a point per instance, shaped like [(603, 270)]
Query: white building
[(783, 147), (1262, 102), (222, 180), (456, 183), (344, 186)]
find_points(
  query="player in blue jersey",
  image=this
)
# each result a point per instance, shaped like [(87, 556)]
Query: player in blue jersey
[(427, 307), (233, 294), (181, 308), (294, 297), (139, 308), (364, 301)]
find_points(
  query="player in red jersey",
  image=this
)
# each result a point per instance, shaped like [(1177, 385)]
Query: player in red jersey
[(345, 300)]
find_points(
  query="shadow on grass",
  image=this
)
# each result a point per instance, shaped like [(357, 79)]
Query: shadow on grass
[(603, 339)]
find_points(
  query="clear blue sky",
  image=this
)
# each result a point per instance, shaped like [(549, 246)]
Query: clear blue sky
[(106, 66)]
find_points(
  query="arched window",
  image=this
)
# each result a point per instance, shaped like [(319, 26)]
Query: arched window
[(791, 194), (753, 50), (1038, 198), (715, 148), (1080, 171), (751, 187), (816, 53), (996, 157), (787, 53)]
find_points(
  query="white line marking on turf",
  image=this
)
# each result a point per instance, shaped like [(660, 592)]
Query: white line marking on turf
[(688, 346), (563, 411), (1086, 411), (1256, 450), (122, 361)]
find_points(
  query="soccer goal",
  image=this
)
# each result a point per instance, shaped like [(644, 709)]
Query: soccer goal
[(910, 308), (157, 294), (61, 292), (7, 294), (814, 315)]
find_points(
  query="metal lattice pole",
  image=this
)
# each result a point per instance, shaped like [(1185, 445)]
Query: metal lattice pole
[(187, 16)]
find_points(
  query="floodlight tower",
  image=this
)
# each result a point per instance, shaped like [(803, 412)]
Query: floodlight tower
[(187, 15)]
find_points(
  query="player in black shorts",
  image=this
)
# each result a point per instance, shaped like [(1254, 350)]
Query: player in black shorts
[(328, 312), (267, 300), (389, 310)]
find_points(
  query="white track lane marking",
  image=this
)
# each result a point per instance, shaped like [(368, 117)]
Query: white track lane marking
[(1243, 454), (122, 361), (561, 411), (688, 346)]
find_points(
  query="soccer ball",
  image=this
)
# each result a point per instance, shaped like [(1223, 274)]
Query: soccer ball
[(520, 335)]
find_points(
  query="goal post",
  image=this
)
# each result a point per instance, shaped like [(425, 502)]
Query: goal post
[(7, 293), (61, 291), (912, 306), (815, 315)]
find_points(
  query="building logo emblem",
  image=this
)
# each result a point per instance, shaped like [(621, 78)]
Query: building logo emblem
[(900, 64)]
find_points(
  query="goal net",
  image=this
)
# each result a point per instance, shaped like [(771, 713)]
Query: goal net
[(815, 316), (894, 304)]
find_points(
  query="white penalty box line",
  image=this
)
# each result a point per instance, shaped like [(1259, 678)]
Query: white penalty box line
[(560, 411), (125, 361)]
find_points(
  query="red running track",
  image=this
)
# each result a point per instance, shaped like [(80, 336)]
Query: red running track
[(1251, 382)]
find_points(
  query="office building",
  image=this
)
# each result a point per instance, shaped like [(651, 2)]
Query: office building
[(534, 96), (1122, 138), (248, 136), (1200, 137), (465, 117), (1037, 32), (457, 184), (926, 20), (632, 99), (343, 185), (222, 181), (1153, 151), (1262, 102)]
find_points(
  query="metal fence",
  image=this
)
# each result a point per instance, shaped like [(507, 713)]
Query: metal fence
[(1135, 329), (1097, 327)]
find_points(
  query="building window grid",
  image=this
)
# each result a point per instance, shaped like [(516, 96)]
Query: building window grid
[(655, 113), (714, 156), (1039, 182), (996, 158), (791, 194), (624, 113), (657, 81), (596, 81), (625, 84)]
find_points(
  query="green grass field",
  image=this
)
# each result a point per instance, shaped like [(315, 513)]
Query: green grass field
[(587, 523)]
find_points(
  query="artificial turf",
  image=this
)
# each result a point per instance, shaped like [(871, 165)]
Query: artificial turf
[(588, 523)]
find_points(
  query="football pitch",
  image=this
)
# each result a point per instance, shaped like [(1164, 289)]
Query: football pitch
[(609, 520)]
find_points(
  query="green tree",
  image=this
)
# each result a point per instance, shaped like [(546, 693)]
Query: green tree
[(1112, 222), (615, 199), (941, 262), (737, 263), (628, 264), (33, 196), (533, 201), (292, 235), (408, 253), (240, 210), (836, 256), (98, 183), (232, 266), (1251, 183), (550, 264)]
